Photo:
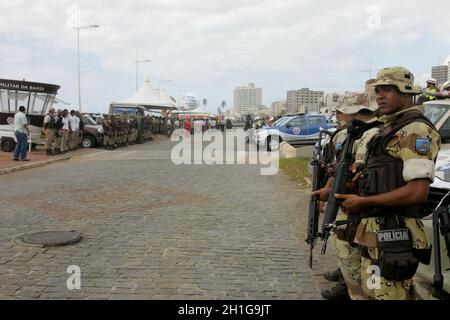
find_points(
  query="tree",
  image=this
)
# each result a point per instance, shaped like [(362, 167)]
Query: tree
[(221, 109)]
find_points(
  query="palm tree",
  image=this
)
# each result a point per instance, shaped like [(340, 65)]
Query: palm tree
[(223, 106)]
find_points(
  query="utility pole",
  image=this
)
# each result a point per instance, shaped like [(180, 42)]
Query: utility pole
[(137, 67), (78, 28)]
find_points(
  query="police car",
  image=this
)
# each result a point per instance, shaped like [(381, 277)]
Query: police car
[(295, 130), (439, 196), (438, 112)]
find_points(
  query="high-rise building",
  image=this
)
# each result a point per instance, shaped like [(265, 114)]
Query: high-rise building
[(448, 74), (303, 100), (247, 99), (440, 73), (278, 108)]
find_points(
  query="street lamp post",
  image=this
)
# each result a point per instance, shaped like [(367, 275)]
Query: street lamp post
[(137, 67), (78, 57)]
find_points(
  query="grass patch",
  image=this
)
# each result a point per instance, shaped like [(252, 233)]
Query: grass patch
[(297, 170)]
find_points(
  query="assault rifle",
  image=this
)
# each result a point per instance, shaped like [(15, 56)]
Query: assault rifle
[(342, 175), (318, 181)]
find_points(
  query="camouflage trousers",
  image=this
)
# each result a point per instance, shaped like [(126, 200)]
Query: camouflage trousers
[(376, 287), (349, 261), (107, 140)]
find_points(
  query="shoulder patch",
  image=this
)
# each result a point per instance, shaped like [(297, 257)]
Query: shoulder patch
[(423, 146)]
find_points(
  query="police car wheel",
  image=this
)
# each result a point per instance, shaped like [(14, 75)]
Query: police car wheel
[(88, 142), (8, 145), (273, 143)]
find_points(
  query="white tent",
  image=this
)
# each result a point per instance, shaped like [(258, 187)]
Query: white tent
[(149, 97), (166, 97)]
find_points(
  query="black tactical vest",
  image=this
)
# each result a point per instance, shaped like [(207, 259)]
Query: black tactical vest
[(52, 124), (383, 173)]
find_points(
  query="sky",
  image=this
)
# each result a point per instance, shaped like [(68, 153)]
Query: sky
[(210, 47)]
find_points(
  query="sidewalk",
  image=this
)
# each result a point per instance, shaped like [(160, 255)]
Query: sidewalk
[(38, 159)]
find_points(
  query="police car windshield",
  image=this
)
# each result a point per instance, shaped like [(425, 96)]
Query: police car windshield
[(434, 112)]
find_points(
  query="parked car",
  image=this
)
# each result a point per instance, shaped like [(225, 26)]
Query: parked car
[(295, 130), (438, 112), (92, 133), (439, 195)]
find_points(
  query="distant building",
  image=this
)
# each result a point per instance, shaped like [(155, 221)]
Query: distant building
[(331, 100), (304, 100), (278, 108), (247, 99), (440, 73)]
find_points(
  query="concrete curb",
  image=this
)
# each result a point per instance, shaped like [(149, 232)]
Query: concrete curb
[(33, 165)]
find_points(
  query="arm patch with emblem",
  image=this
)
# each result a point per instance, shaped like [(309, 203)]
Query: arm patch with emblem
[(423, 146)]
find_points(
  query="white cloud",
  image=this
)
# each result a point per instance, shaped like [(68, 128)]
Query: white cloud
[(212, 46)]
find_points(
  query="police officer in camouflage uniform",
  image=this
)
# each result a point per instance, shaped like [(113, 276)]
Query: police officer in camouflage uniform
[(398, 168), (108, 133)]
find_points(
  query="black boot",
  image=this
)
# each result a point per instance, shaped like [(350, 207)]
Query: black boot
[(333, 276), (49, 152), (338, 292)]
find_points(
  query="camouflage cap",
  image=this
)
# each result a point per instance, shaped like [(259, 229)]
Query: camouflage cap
[(400, 77), (353, 102)]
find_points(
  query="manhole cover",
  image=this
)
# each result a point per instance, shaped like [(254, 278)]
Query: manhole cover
[(50, 238)]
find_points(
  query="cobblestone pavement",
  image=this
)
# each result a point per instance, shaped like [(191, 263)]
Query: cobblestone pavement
[(153, 230)]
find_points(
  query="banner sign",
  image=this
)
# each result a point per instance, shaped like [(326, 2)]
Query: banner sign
[(28, 86)]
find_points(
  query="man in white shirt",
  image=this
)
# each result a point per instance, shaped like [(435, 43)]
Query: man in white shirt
[(169, 127), (76, 138), (21, 131)]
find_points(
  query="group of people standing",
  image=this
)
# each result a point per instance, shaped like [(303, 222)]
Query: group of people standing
[(63, 131), (119, 131), (393, 167)]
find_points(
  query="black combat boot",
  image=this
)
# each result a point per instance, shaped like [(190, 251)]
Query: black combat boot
[(333, 276), (338, 292)]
